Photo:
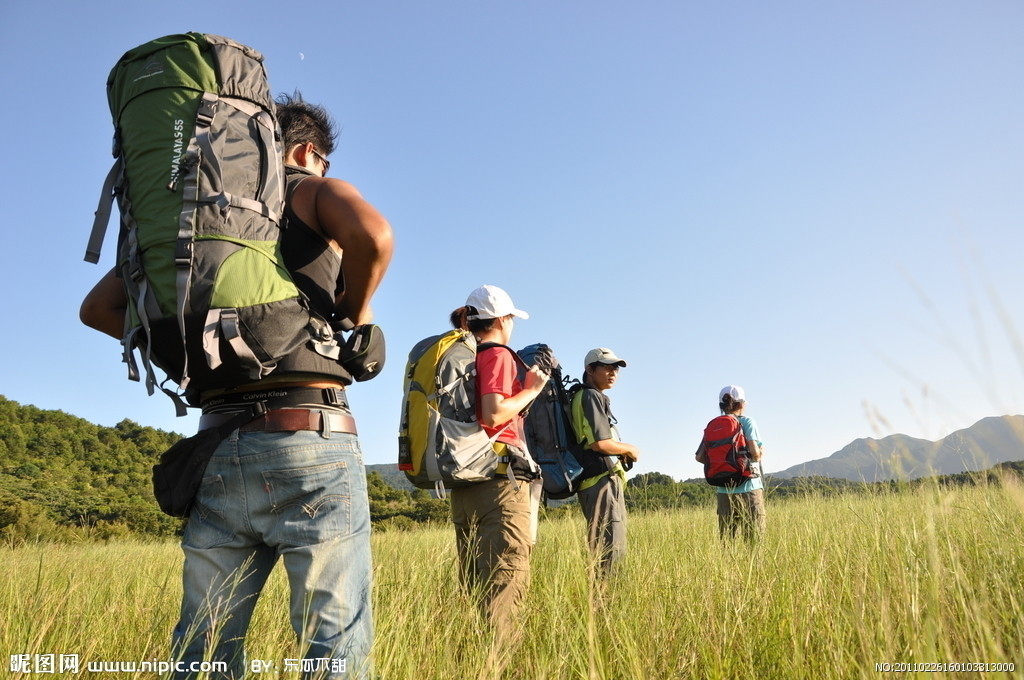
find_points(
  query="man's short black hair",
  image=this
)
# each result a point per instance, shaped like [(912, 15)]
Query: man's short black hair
[(303, 123)]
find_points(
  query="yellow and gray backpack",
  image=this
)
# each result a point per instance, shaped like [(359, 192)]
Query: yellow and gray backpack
[(441, 444), (199, 180)]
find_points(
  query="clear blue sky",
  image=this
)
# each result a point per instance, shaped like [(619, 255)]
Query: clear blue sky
[(820, 202)]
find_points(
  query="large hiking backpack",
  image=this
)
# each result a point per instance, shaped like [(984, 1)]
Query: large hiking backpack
[(199, 180), (727, 463), (547, 427), (441, 444)]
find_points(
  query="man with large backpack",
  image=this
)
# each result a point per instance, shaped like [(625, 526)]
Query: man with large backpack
[(289, 482), (602, 486)]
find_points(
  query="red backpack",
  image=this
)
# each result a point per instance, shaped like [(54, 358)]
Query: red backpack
[(727, 463)]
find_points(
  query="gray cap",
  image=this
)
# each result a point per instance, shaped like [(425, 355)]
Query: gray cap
[(603, 355)]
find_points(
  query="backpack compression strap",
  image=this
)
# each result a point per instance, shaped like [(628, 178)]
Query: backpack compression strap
[(111, 187)]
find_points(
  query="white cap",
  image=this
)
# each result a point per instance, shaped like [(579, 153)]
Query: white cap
[(603, 355), (492, 302), (734, 391)]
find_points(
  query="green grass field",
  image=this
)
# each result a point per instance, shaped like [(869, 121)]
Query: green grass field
[(837, 586)]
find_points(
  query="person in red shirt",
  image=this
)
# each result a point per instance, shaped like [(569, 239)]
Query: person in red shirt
[(494, 519)]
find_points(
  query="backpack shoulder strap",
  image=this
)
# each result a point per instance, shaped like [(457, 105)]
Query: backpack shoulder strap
[(489, 345), (741, 435), (576, 416), (518, 360)]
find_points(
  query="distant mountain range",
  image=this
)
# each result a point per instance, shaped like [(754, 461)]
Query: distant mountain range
[(980, 446)]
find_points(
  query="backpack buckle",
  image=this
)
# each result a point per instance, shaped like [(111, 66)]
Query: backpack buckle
[(183, 253), (207, 110), (334, 397)]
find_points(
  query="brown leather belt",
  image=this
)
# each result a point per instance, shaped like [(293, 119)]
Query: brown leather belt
[(287, 420)]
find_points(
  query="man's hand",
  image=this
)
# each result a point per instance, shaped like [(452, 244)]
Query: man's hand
[(535, 379)]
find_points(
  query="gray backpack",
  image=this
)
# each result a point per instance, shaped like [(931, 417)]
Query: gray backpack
[(199, 180)]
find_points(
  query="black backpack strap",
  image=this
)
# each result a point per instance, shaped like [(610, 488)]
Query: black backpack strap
[(518, 359), (489, 345)]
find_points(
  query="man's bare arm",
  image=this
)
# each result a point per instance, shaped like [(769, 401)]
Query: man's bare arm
[(610, 447), (105, 305), (366, 239)]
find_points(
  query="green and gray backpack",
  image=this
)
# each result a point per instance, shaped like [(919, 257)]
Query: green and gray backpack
[(199, 180)]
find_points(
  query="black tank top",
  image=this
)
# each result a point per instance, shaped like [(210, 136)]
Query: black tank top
[(314, 266), (316, 270)]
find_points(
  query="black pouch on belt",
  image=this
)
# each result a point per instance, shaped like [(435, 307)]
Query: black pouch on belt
[(178, 475), (363, 352)]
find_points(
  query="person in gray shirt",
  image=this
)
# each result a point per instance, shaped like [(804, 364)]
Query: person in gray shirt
[(605, 459)]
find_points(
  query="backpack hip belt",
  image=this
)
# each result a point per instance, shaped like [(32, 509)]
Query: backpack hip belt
[(278, 398)]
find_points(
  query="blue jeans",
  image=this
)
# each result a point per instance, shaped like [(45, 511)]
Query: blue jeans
[(300, 496)]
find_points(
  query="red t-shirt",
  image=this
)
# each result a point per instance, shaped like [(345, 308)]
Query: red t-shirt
[(498, 373)]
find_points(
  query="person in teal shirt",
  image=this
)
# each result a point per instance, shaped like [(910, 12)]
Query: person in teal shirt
[(602, 486), (740, 507)]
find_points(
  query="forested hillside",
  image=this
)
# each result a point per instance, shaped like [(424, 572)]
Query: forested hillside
[(64, 478)]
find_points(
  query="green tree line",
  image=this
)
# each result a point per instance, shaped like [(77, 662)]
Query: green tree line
[(63, 478)]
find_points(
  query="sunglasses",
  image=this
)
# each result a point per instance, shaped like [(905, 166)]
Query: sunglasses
[(612, 368), (327, 163)]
